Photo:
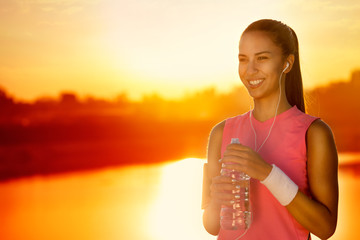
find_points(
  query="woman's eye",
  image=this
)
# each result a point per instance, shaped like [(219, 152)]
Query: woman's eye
[(262, 58), (242, 60)]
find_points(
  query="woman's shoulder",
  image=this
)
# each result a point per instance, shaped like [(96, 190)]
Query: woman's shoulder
[(320, 140), (319, 129), (218, 129), (302, 119)]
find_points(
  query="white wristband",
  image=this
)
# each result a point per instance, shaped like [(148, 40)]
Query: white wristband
[(281, 186)]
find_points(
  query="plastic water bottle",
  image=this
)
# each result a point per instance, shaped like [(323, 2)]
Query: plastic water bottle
[(238, 216)]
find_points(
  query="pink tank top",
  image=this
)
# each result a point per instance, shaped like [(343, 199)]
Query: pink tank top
[(286, 148)]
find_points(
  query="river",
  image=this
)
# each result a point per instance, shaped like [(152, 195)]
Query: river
[(148, 202)]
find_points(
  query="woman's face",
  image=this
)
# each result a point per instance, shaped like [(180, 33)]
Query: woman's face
[(260, 64)]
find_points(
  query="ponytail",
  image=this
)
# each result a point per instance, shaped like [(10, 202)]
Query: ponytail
[(293, 82)]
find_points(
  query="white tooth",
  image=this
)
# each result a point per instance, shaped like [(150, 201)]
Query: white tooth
[(255, 82)]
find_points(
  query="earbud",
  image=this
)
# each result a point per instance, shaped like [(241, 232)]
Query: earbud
[(287, 65)]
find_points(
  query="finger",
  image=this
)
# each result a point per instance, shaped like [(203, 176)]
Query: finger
[(225, 187), (221, 179), (237, 146), (236, 182), (223, 198), (224, 202), (233, 159), (237, 168), (236, 165), (226, 199), (229, 203), (237, 152), (230, 158)]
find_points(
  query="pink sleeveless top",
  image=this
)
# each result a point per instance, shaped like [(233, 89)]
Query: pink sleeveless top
[(286, 148)]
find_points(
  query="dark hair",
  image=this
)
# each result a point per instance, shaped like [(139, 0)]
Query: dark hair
[(285, 37)]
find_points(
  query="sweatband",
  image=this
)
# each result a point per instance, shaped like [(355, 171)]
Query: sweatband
[(280, 185)]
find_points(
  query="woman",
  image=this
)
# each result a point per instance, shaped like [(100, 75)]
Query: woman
[(290, 156)]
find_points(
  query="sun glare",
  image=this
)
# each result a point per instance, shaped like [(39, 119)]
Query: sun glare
[(176, 213)]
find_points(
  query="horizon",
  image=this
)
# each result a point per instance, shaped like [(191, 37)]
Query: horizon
[(125, 95)]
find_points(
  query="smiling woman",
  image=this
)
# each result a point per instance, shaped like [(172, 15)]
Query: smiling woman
[(290, 156)]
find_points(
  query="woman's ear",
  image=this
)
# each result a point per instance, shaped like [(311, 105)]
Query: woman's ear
[(289, 60)]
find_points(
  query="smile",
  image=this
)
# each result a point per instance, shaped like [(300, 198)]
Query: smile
[(255, 82)]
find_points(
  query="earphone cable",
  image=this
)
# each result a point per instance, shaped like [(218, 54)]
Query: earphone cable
[(272, 125)]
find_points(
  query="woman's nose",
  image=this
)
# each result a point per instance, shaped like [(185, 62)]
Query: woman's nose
[(251, 67)]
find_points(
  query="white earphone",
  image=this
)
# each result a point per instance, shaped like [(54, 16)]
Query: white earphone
[(287, 65)]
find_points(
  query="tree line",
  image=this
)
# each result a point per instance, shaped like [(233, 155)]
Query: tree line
[(51, 135)]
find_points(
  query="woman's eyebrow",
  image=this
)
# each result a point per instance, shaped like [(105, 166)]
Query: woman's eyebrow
[(262, 52), (259, 53)]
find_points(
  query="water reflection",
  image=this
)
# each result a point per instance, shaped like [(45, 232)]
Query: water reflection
[(141, 202), (107, 204), (176, 212), (151, 202)]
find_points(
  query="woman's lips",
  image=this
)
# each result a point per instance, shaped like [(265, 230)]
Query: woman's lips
[(255, 82)]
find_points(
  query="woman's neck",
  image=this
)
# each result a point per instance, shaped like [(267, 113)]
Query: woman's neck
[(265, 109)]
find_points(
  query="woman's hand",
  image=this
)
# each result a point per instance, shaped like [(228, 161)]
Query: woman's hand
[(223, 190), (244, 159)]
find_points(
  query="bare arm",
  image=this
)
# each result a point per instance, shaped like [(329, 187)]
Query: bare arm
[(319, 214), (211, 216)]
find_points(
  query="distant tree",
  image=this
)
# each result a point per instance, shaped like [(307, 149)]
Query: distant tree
[(5, 100), (68, 98)]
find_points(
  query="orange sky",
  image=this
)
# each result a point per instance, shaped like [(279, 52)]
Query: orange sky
[(106, 47)]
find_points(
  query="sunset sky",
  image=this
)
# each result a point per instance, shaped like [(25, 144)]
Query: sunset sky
[(107, 47)]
